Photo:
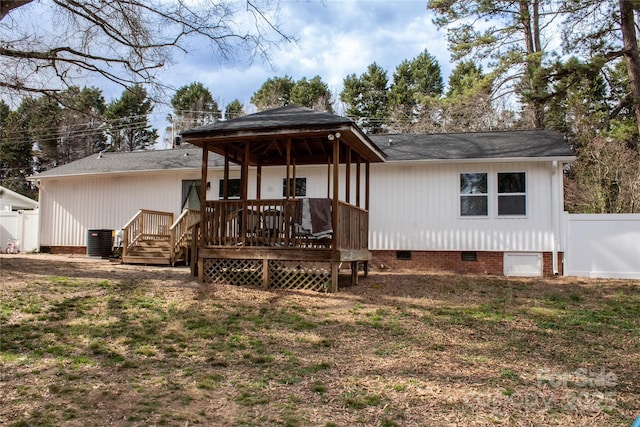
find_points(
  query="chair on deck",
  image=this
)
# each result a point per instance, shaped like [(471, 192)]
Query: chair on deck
[(235, 220), (254, 222), (273, 222)]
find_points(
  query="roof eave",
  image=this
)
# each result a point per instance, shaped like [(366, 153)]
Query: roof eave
[(561, 159), (201, 138), (371, 146), (257, 131), (118, 172)]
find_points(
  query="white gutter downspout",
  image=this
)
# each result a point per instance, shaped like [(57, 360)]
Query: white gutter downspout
[(554, 216)]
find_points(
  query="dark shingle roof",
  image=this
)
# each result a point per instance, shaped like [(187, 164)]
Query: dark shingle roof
[(507, 145), (263, 137), (287, 117), (137, 161), (526, 144)]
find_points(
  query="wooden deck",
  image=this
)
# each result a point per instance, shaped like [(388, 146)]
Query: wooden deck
[(251, 239), (261, 242)]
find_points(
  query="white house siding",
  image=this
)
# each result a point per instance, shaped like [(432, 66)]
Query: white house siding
[(416, 207), (413, 206), (71, 206)]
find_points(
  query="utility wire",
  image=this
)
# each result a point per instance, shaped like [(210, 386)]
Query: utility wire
[(103, 127)]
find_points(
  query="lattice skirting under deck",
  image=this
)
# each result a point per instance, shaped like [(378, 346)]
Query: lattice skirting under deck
[(311, 275), (247, 272)]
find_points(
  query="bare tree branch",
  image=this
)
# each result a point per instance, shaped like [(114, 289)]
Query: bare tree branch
[(124, 41)]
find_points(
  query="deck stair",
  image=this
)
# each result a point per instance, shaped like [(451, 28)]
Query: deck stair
[(154, 252), (153, 238)]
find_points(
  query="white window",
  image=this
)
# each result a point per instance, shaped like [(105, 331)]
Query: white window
[(474, 195), (512, 194)]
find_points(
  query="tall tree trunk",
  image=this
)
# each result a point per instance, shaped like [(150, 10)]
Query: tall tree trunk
[(630, 51), (525, 18), (530, 18)]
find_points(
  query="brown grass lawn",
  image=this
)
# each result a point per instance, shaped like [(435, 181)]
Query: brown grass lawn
[(89, 342)]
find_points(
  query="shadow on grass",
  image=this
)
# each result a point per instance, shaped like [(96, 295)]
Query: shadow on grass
[(394, 350)]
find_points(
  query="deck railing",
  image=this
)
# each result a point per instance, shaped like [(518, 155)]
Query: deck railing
[(146, 225), (353, 227), (267, 222), (228, 223), (181, 233)]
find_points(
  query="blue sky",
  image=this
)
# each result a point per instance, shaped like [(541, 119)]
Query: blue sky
[(334, 39)]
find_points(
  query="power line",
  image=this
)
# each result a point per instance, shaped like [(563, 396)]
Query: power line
[(104, 123), (105, 127)]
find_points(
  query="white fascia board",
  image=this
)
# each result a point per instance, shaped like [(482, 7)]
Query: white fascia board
[(112, 173), (361, 137), (568, 159)]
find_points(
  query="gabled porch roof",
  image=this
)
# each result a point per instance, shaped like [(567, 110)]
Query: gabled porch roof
[(269, 133)]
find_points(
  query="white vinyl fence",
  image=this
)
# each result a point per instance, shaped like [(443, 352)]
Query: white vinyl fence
[(21, 225), (606, 245)]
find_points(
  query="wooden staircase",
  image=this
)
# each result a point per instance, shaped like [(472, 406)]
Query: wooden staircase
[(151, 237), (154, 252)]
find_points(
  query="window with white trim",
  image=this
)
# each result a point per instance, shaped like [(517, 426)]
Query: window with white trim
[(512, 194), (474, 196)]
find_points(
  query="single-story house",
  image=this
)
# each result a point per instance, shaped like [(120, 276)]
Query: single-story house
[(489, 202)]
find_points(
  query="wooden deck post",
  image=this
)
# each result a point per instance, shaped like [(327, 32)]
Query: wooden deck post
[(366, 185), (367, 171), (347, 177), (293, 180), (328, 177), (358, 173), (203, 201), (193, 259), (265, 273), (354, 272), (259, 182), (288, 184), (225, 179), (334, 276), (244, 173), (336, 192)]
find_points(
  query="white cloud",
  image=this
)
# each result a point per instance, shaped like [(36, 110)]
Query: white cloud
[(335, 39)]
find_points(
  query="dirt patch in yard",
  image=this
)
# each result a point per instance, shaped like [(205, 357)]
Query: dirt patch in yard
[(87, 341)]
